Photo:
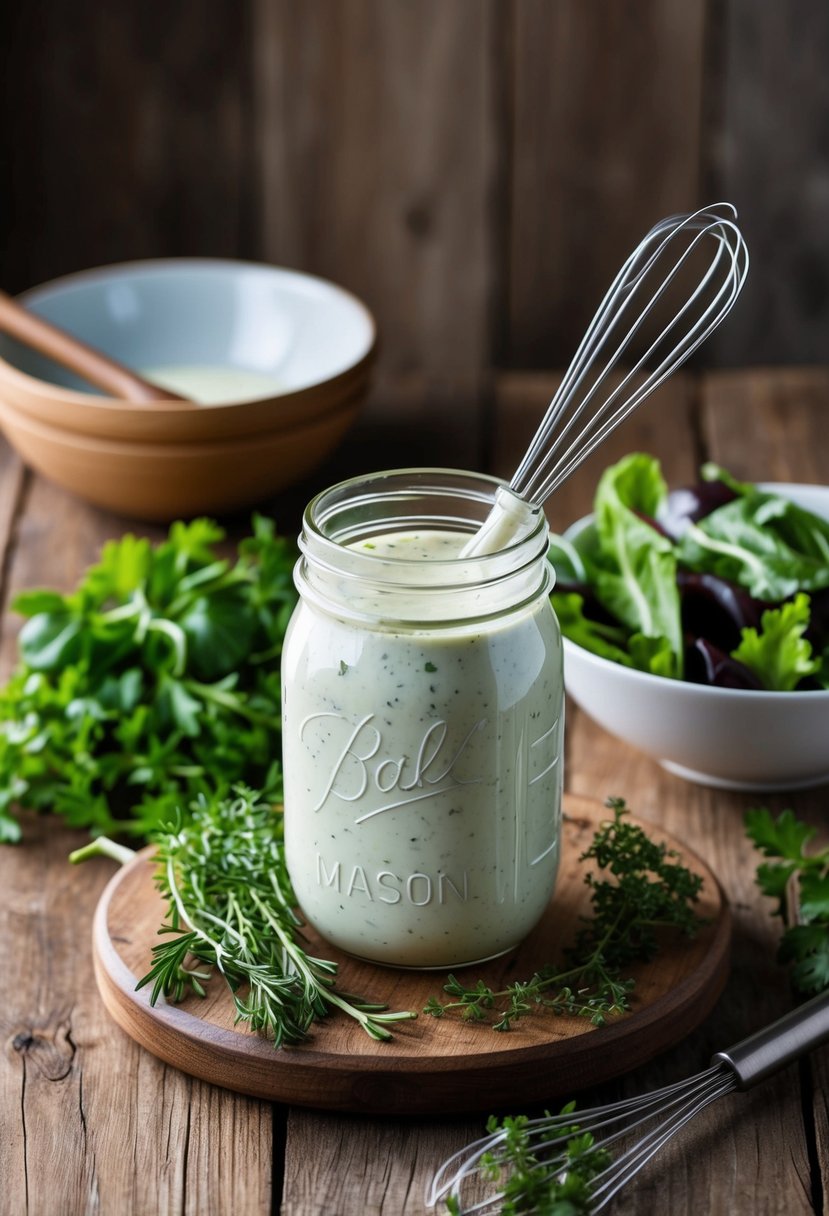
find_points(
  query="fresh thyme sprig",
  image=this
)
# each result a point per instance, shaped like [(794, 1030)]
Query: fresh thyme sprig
[(230, 912), (558, 1184), (648, 889)]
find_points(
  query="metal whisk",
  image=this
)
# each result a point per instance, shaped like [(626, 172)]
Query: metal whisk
[(660, 1114), (589, 403)]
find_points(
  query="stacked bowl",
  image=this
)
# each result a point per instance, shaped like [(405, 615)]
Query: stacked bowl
[(288, 355)]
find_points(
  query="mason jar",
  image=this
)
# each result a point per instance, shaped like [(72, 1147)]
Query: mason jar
[(422, 723)]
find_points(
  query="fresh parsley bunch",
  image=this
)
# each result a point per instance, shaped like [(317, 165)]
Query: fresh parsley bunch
[(155, 681), (804, 875)]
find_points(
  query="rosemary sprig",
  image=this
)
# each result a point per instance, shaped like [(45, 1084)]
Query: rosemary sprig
[(648, 889), (230, 912)]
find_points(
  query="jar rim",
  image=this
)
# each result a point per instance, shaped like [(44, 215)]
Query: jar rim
[(453, 485)]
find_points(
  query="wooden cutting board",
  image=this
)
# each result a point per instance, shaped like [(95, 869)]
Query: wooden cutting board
[(431, 1066)]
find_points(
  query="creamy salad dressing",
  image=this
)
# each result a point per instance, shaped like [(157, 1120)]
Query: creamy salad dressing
[(422, 761), (219, 385)]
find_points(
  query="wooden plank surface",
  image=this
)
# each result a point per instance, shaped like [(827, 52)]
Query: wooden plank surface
[(604, 142), (476, 169), (767, 113), (89, 1123), (124, 134), (376, 153)]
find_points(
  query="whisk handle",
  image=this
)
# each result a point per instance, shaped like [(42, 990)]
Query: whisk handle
[(775, 1046), (510, 515)]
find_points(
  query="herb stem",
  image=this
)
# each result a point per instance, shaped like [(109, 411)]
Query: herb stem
[(102, 846)]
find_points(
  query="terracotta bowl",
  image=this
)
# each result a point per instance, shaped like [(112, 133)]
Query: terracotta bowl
[(310, 338), (163, 481)]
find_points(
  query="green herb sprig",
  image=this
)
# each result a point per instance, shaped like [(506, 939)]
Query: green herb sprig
[(230, 913), (154, 681), (804, 945), (530, 1183), (648, 890)]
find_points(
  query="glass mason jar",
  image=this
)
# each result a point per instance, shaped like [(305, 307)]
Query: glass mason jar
[(422, 723)]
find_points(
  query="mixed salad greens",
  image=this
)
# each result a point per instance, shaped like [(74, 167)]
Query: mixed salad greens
[(722, 583)]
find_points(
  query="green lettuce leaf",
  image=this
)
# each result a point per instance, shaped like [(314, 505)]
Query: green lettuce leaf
[(642, 653), (606, 641), (635, 574), (655, 655), (567, 561), (778, 654), (762, 541)]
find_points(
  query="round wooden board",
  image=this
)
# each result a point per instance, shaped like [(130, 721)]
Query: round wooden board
[(431, 1066)]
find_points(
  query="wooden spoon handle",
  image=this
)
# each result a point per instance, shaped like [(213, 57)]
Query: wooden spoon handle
[(71, 352)]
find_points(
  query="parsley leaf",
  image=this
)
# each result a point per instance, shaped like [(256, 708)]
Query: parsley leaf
[(793, 870), (154, 681)]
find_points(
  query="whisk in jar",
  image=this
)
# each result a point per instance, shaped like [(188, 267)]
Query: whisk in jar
[(592, 400), (655, 1117)]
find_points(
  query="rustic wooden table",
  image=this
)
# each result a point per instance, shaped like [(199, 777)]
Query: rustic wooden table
[(91, 1123)]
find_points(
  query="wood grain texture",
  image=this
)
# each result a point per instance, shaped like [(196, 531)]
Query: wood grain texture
[(151, 1140), (476, 169), (376, 152), (88, 1122), (722, 1166), (665, 425), (605, 142), (126, 138), (14, 481), (769, 425), (764, 148), (369, 1167), (431, 1066)]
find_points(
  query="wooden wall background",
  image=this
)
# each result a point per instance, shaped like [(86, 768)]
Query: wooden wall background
[(474, 169)]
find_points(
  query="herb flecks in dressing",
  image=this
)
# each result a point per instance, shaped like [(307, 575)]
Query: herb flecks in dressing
[(424, 788)]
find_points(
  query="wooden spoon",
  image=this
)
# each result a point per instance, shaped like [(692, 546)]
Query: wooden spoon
[(115, 379)]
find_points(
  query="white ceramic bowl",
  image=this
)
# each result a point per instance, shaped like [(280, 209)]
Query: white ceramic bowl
[(730, 738)]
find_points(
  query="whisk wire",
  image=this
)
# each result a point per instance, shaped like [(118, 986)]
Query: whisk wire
[(665, 1111), (595, 335), (674, 1105), (625, 1167), (556, 450), (603, 421)]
